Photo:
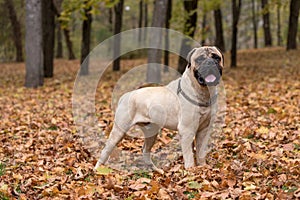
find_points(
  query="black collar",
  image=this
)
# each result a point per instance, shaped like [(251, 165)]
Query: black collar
[(207, 104)]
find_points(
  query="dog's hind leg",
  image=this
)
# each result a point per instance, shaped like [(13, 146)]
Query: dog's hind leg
[(150, 132), (122, 123), (115, 137)]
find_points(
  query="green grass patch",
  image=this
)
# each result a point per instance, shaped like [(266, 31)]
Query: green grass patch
[(142, 174), (2, 169)]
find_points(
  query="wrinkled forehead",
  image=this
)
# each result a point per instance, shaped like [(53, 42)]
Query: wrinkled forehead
[(206, 52)]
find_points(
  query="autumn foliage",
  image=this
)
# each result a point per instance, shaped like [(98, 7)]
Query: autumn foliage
[(257, 155)]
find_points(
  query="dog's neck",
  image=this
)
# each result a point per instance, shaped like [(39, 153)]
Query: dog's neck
[(191, 86)]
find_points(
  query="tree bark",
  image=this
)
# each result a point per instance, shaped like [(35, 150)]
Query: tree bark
[(110, 19), (279, 38), (117, 39), (219, 29), (145, 18), (59, 45), (203, 29), (48, 25), (57, 10), (154, 55), (33, 44), (254, 23), (266, 23), (16, 29), (140, 19), (69, 44), (293, 24), (190, 24), (167, 23), (236, 9), (85, 41)]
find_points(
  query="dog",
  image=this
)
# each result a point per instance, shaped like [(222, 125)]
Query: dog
[(184, 105)]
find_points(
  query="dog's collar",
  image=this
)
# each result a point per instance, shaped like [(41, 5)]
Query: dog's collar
[(207, 104)]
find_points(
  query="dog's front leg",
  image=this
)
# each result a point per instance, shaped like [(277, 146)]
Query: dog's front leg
[(202, 139), (187, 148)]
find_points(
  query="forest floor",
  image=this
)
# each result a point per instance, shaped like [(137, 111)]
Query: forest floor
[(257, 157)]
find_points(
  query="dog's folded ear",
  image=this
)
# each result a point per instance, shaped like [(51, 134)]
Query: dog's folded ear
[(188, 58)]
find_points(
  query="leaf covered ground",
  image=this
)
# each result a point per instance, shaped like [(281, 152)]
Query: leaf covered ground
[(256, 157)]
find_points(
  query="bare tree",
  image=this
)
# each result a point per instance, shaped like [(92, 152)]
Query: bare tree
[(110, 19), (69, 43), (57, 9), (16, 29), (59, 45), (141, 7), (48, 25), (236, 10), (190, 7), (145, 17), (85, 39), (154, 55), (254, 23), (293, 24), (279, 38), (266, 22), (203, 28), (33, 44), (167, 23), (117, 39), (219, 29)]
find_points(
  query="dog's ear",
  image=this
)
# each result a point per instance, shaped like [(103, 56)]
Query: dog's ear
[(188, 58), (221, 54)]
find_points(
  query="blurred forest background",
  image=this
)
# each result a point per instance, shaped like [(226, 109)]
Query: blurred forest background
[(71, 28)]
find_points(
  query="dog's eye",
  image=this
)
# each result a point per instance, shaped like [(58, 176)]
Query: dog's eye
[(216, 57), (199, 59)]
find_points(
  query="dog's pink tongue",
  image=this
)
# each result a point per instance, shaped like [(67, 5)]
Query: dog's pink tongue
[(210, 78)]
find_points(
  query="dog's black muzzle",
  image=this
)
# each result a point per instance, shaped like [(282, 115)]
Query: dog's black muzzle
[(208, 73)]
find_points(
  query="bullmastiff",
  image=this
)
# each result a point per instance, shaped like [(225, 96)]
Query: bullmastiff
[(184, 105)]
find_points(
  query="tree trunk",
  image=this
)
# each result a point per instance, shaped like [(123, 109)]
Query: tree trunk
[(154, 55), (59, 45), (189, 29), (57, 10), (33, 44), (219, 29), (110, 19), (279, 39), (69, 44), (293, 25), (48, 25), (203, 29), (140, 20), (117, 39), (145, 18), (85, 41), (266, 23), (254, 23), (236, 9), (16, 28), (167, 23)]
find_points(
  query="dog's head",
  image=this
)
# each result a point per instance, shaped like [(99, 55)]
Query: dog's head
[(206, 63)]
